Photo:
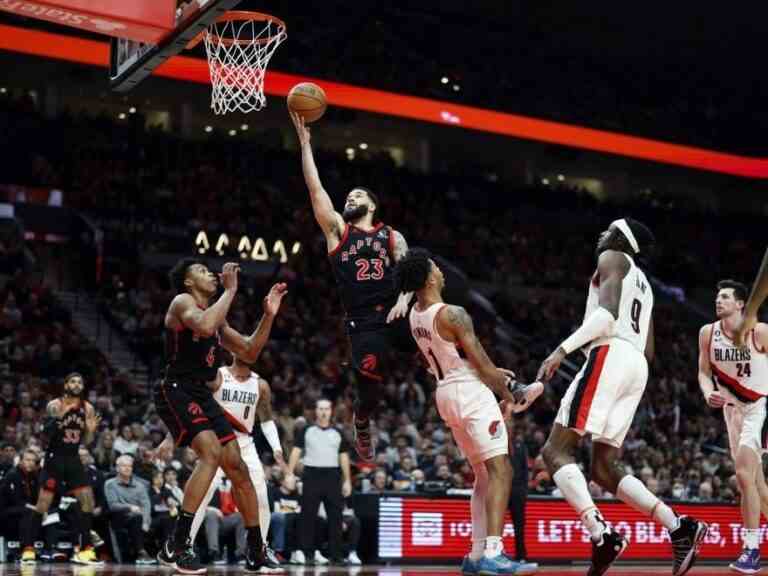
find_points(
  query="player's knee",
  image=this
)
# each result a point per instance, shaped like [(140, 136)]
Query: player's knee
[(211, 454), (745, 477), (553, 457), (500, 468)]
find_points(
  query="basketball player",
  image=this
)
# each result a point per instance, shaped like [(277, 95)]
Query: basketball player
[(243, 395), (362, 257), (70, 421), (756, 299), (465, 399), (736, 380), (602, 399), (196, 332)]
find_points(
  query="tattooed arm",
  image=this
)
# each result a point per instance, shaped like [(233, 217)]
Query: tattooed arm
[(399, 248), (455, 325)]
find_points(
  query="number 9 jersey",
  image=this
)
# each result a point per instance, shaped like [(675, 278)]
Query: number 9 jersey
[(635, 308)]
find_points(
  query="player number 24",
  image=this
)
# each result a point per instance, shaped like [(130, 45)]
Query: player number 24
[(364, 267), (743, 370)]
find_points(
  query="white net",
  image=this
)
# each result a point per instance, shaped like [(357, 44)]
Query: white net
[(238, 54)]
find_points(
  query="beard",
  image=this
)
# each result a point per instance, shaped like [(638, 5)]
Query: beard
[(354, 213), (72, 394)]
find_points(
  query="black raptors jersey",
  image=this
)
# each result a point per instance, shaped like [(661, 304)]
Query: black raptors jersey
[(189, 356), (66, 439), (363, 265)]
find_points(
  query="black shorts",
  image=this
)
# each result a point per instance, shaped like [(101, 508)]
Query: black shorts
[(63, 474), (189, 408), (371, 347)]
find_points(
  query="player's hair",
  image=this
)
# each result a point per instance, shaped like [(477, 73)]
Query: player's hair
[(178, 273), (71, 375), (374, 198), (413, 269), (643, 235), (740, 291)]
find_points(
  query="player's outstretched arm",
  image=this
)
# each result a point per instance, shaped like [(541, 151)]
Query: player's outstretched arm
[(756, 299), (205, 322), (249, 347), (92, 420), (400, 309), (707, 385), (612, 267), (329, 220), (456, 321)]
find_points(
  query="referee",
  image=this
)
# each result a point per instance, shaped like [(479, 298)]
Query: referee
[(326, 479)]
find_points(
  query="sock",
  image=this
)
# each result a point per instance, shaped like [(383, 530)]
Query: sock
[(493, 546), (86, 519), (254, 537), (634, 493), (478, 548), (574, 487), (751, 538), (181, 531)]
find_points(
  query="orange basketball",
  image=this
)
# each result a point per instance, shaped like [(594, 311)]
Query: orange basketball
[(308, 100)]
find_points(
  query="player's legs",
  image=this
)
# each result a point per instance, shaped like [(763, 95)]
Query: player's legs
[(748, 468), (200, 514), (83, 517), (762, 488), (256, 471), (245, 498), (478, 509), (499, 484), (368, 353)]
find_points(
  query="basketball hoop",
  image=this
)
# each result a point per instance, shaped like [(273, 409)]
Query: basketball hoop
[(239, 46)]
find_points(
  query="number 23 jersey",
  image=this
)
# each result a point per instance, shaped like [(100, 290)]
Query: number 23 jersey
[(635, 307), (363, 265)]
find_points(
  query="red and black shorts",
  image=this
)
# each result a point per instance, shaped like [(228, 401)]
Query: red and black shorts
[(188, 408), (373, 341), (64, 474)]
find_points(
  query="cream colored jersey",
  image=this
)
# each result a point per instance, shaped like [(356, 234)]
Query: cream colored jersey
[(238, 400), (444, 358), (741, 371), (635, 308)]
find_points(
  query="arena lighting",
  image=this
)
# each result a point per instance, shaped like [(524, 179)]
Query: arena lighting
[(95, 53), (444, 80), (560, 178), (363, 146), (209, 129), (243, 127), (456, 87), (545, 181), (3, 90), (121, 115), (232, 132), (132, 110)]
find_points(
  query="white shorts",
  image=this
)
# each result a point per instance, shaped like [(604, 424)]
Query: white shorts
[(604, 395), (473, 415), (251, 458), (746, 424)]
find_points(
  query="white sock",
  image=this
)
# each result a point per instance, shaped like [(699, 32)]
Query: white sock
[(477, 506), (493, 546), (574, 487), (751, 537), (478, 548), (634, 493)]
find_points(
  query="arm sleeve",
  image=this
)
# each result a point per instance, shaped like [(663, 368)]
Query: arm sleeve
[(600, 323), (343, 445), (299, 440)]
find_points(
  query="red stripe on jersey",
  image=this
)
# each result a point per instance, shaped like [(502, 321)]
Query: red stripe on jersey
[(236, 424), (343, 239), (589, 392), (734, 386)]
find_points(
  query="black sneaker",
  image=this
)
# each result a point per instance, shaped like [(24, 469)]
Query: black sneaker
[(606, 552), (218, 558), (685, 543), (255, 559), (187, 562), (272, 564), (167, 555)]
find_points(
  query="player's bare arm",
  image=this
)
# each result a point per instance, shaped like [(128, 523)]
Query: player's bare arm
[(650, 343), (400, 309), (268, 428), (92, 420), (346, 475), (612, 267), (328, 219), (756, 298), (707, 385), (455, 325), (249, 347), (185, 312)]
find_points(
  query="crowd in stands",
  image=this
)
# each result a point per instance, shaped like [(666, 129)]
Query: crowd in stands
[(139, 185)]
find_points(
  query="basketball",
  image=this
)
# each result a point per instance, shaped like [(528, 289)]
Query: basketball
[(308, 101)]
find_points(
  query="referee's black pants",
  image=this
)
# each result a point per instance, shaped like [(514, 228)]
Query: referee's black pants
[(321, 485)]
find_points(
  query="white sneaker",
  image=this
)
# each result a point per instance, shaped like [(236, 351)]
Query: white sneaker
[(297, 557), (354, 559), (320, 560)]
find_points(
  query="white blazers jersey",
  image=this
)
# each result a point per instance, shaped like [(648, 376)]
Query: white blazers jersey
[(742, 372), (443, 357), (635, 308), (238, 400)]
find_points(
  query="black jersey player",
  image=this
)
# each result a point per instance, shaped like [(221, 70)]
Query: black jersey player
[(196, 333), (363, 254), (70, 421)]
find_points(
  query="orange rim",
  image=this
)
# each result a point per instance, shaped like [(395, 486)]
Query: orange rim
[(239, 15)]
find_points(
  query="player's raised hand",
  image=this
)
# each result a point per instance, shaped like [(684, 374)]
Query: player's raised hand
[(399, 310), (301, 128), (715, 399), (272, 300), (550, 365), (228, 276), (748, 324), (92, 422)]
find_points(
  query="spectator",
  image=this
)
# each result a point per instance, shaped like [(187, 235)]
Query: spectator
[(18, 494), (284, 520), (104, 453), (130, 509), (165, 508), (126, 442)]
